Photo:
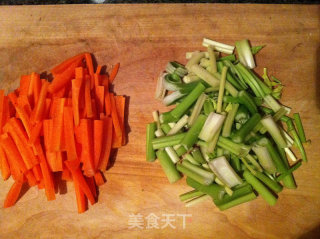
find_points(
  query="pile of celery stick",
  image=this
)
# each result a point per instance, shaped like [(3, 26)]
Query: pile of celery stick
[(228, 134)]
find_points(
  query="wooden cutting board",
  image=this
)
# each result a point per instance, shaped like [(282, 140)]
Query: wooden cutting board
[(144, 38)]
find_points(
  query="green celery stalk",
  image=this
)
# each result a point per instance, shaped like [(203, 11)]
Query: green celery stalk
[(189, 195), (273, 185), (198, 156), (260, 188), (166, 141), (188, 101), (195, 176), (168, 166), (240, 134), (297, 121), (151, 128), (191, 136), (243, 199), (226, 131), (215, 191)]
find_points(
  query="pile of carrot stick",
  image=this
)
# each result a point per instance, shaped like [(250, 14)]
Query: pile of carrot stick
[(66, 128)]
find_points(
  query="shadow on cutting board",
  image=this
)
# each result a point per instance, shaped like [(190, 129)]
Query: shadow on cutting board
[(314, 233)]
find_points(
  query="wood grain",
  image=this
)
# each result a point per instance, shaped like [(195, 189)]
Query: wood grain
[(144, 38)]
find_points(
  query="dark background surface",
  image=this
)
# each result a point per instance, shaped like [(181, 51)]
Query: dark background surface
[(30, 2)]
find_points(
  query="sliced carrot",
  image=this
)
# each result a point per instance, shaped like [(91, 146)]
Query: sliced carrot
[(57, 125), (47, 108), (5, 168), (87, 95), (41, 184), (36, 85), (89, 64), (77, 176), (13, 194), (115, 118), (98, 70), (120, 106), (82, 201), (14, 158), (92, 185), (97, 80), (52, 161), (99, 178), (41, 103), (58, 166), (66, 174), (86, 128), (106, 144), (60, 93), (46, 173), (107, 103), (37, 172), (32, 181), (99, 93), (24, 84), (61, 79), (69, 133), (76, 87), (24, 103), (47, 130), (17, 134), (66, 64), (35, 132), (94, 109), (21, 113), (97, 136), (114, 72), (79, 73)]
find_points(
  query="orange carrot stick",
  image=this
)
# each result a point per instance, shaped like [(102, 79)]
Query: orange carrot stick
[(114, 72), (41, 103), (57, 125), (120, 105), (106, 144), (21, 143), (76, 87), (99, 90), (66, 64), (107, 103), (31, 178), (98, 70), (35, 133), (24, 103), (37, 172), (12, 153), (21, 113), (92, 185), (97, 80), (66, 174), (46, 173), (87, 146), (13, 194), (87, 95), (64, 78), (77, 176), (58, 163), (41, 184), (89, 64), (36, 85), (82, 202), (69, 133), (99, 178), (97, 140), (24, 84), (115, 117), (5, 169)]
